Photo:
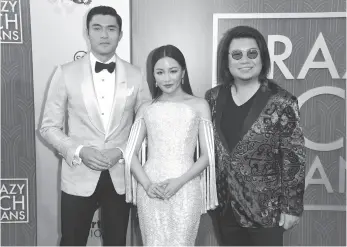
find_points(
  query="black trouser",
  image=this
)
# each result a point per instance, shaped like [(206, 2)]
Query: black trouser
[(232, 234), (77, 214)]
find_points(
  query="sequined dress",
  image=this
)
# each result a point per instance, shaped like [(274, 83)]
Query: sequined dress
[(172, 133)]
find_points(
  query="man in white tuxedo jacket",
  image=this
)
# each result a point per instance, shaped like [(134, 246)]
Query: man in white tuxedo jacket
[(99, 94)]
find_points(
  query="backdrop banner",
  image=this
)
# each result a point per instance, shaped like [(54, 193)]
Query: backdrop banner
[(18, 169)]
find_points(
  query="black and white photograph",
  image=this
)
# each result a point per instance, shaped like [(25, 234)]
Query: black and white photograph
[(173, 123)]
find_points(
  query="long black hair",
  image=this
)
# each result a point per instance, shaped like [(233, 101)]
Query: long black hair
[(174, 53)]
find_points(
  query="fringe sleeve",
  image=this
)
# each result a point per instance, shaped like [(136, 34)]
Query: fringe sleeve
[(130, 181), (208, 176)]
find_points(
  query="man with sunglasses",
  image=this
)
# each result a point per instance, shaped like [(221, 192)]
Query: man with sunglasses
[(260, 153)]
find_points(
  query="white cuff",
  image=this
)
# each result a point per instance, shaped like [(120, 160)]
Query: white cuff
[(76, 160), (78, 150)]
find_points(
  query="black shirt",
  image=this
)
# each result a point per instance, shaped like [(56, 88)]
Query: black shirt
[(232, 119)]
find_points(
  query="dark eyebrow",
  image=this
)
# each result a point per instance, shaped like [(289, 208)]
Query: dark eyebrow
[(98, 25), (113, 26)]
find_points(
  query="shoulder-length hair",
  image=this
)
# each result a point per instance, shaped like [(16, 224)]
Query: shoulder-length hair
[(174, 53), (223, 73)]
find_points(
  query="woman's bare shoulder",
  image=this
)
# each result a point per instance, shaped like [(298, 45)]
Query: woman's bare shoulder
[(201, 106)]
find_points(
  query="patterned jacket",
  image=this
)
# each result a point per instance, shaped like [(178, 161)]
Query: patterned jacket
[(263, 175)]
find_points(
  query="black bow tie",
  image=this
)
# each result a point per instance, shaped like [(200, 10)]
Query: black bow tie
[(100, 66)]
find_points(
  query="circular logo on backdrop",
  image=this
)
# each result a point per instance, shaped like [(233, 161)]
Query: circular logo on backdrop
[(79, 55)]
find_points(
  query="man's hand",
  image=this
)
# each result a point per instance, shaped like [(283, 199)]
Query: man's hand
[(113, 155), (288, 221), (94, 159)]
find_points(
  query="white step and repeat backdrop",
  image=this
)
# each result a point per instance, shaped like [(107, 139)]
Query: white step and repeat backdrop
[(58, 36)]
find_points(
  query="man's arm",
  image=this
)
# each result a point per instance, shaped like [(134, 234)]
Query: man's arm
[(143, 94), (293, 160), (54, 118), (208, 97)]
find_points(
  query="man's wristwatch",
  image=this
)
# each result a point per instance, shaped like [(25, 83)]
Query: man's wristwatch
[(121, 160)]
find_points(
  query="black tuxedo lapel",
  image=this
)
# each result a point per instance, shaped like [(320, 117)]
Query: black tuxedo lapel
[(220, 107), (258, 105)]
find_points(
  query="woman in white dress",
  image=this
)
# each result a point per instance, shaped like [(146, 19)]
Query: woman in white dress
[(170, 189)]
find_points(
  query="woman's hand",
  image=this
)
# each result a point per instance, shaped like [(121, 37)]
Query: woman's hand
[(154, 190), (171, 186)]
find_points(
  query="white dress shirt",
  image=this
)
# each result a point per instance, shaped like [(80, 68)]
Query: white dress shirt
[(104, 86)]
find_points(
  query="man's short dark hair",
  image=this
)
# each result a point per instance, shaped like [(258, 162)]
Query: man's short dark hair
[(104, 10)]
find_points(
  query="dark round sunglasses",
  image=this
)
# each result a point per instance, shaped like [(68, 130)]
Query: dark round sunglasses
[(238, 54)]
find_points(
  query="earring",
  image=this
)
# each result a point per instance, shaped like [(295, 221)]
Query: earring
[(182, 81), (156, 84)]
